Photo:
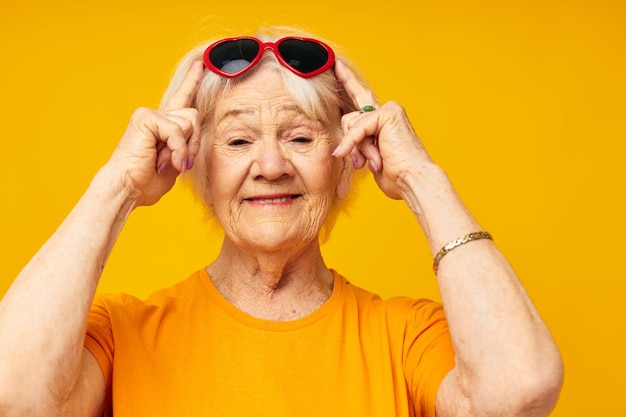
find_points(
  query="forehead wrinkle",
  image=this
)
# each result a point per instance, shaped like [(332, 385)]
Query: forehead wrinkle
[(300, 117), (233, 114), (290, 108), (277, 113)]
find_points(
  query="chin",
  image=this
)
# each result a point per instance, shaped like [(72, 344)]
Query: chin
[(277, 236)]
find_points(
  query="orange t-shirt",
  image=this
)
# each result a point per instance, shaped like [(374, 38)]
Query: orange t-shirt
[(186, 351)]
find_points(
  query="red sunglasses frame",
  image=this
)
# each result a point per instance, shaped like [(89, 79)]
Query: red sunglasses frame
[(269, 46)]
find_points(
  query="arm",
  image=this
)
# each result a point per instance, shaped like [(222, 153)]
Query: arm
[(44, 369), (506, 361)]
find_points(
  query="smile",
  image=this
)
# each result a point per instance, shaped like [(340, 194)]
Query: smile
[(277, 199)]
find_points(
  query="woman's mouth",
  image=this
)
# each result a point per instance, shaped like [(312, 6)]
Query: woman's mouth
[(273, 199)]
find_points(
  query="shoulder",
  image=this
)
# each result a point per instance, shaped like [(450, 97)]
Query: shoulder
[(415, 309), (162, 299), (399, 310)]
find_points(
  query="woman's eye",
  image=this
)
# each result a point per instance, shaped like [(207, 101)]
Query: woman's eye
[(302, 139), (238, 142)]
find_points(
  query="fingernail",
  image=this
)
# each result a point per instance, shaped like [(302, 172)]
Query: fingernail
[(336, 151), (162, 167), (183, 168), (373, 167), (354, 161), (190, 161)]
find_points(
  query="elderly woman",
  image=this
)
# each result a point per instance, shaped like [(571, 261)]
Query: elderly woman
[(271, 130)]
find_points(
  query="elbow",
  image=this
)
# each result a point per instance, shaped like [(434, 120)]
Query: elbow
[(550, 387), (542, 385), (539, 395), (9, 407), (12, 406), (16, 400), (532, 392)]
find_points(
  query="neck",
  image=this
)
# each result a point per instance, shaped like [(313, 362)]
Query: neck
[(274, 285)]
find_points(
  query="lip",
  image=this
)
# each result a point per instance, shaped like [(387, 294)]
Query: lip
[(274, 200)]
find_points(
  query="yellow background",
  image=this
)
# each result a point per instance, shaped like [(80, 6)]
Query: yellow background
[(521, 102)]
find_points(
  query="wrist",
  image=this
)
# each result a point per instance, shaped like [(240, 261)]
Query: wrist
[(110, 186), (422, 184), (438, 208)]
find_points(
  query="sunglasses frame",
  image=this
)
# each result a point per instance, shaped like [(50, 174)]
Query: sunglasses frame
[(268, 46)]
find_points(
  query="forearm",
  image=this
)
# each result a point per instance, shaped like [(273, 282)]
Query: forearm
[(43, 315), (503, 348)]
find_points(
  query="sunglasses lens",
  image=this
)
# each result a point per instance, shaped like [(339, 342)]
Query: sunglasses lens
[(232, 56), (303, 56)]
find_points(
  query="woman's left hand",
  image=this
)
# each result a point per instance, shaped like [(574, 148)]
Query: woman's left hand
[(383, 137)]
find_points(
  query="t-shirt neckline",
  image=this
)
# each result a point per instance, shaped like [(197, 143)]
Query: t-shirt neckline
[(264, 324)]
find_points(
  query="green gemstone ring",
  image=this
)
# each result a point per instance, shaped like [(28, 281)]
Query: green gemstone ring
[(367, 109)]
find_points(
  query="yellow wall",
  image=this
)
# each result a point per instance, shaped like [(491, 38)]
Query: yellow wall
[(521, 102)]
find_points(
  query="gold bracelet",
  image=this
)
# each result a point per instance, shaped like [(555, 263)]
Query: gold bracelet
[(456, 243)]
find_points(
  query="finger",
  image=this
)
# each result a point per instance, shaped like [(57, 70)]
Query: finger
[(164, 159), (191, 127), (366, 151), (184, 96), (360, 95), (349, 119), (171, 134), (371, 153), (189, 122), (184, 123), (360, 134), (362, 146), (358, 160)]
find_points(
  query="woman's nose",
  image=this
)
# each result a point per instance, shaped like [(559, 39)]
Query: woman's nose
[(271, 161)]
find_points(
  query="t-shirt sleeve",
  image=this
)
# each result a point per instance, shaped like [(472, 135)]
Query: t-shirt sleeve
[(99, 341), (428, 354)]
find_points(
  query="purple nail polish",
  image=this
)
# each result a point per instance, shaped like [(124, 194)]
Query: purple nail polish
[(162, 167), (190, 161)]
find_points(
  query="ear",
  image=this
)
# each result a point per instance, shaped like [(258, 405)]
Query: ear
[(200, 176), (345, 178), (208, 200), (200, 181)]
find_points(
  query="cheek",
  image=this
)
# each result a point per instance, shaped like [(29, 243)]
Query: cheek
[(328, 173), (321, 178), (224, 178)]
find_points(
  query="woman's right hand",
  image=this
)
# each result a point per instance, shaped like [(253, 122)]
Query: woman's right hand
[(160, 144)]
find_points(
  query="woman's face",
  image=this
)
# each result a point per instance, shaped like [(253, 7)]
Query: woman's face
[(271, 175)]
